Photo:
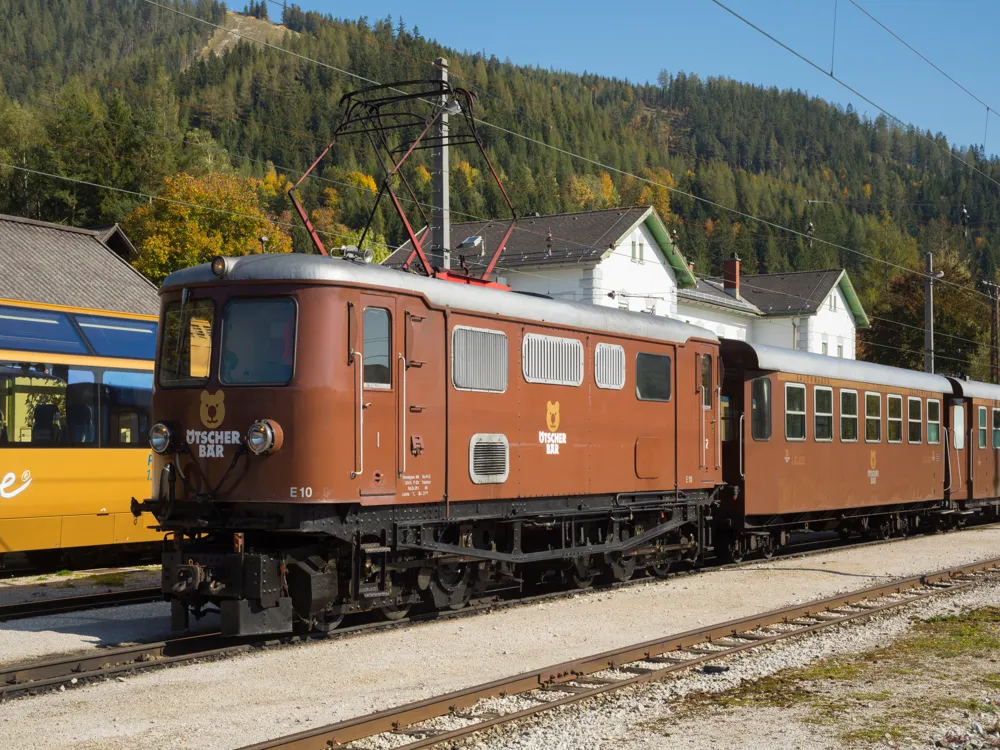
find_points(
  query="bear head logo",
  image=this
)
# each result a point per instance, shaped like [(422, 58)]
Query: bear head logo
[(213, 410), (552, 416)]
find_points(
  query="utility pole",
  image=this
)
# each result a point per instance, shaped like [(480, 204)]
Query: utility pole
[(994, 290), (929, 315), (440, 251)]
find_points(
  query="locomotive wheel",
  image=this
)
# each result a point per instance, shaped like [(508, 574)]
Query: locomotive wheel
[(581, 575), (326, 623), (452, 581), (394, 611), (659, 570), (734, 551), (622, 568), (767, 549)]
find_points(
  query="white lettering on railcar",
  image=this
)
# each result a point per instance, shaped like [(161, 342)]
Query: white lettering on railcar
[(211, 443), (551, 440), (8, 480)]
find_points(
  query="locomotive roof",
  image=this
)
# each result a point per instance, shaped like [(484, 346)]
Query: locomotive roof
[(756, 356), (976, 389), (307, 268)]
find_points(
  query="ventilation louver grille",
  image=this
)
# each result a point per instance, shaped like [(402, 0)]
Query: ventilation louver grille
[(489, 458), (479, 359), (552, 360), (609, 366)]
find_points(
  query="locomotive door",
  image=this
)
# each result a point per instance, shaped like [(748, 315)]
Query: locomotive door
[(708, 398), (376, 464)]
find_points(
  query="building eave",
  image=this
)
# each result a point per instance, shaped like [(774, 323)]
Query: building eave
[(847, 289)]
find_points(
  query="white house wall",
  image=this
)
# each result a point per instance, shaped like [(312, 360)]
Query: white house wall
[(719, 322), (572, 283), (642, 286), (774, 332), (833, 325)]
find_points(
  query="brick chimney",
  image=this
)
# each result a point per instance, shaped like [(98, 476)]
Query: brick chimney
[(731, 276)]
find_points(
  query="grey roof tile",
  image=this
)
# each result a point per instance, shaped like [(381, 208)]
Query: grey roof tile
[(798, 293)]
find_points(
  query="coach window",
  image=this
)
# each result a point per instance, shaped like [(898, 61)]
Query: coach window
[(849, 416), (996, 428), (894, 425), (823, 414), (873, 417), (933, 421), (795, 411), (915, 421), (378, 373), (652, 377), (706, 381), (760, 409), (982, 427)]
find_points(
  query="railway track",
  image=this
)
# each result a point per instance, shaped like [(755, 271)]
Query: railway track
[(39, 607), (38, 676), (581, 679)]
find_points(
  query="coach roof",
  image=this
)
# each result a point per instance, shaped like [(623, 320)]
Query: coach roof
[(793, 362), (294, 267), (976, 389)]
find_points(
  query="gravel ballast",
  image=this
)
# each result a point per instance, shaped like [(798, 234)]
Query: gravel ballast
[(238, 701)]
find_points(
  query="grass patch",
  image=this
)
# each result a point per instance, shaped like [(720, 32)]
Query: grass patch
[(63, 573), (107, 579)]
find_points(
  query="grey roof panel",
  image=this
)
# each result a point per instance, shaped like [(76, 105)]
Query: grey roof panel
[(823, 366), (799, 293), (57, 265), (713, 293), (976, 389), (300, 267)]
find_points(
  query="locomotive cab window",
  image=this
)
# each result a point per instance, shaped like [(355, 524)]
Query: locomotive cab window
[(915, 420), (258, 341), (795, 411), (848, 416), (706, 381), (873, 417), (760, 409), (982, 427), (996, 428), (823, 414), (377, 344), (933, 421), (186, 345), (894, 424), (652, 377)]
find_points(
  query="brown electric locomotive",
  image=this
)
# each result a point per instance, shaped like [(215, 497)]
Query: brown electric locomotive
[(334, 436)]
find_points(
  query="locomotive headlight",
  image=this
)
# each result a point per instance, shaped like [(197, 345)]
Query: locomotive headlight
[(264, 436), (221, 266), (160, 437)]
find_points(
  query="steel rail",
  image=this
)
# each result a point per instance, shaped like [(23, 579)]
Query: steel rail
[(575, 678), (39, 607)]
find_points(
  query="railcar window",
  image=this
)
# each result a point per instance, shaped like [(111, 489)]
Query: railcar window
[(958, 426), (982, 428), (996, 428), (933, 421), (894, 424), (38, 331), (119, 337), (609, 366), (258, 342), (479, 359), (552, 360), (915, 420), (873, 417), (186, 345), (652, 377), (377, 345), (822, 413), (795, 411), (47, 406), (126, 398), (848, 416), (706, 381), (760, 409)]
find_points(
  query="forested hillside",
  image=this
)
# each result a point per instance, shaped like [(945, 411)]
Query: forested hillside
[(125, 94)]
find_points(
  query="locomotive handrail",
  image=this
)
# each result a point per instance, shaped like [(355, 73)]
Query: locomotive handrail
[(718, 426), (361, 415), (405, 408), (947, 454), (701, 427), (742, 418)]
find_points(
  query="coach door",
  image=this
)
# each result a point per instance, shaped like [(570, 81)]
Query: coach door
[(377, 390), (958, 478), (707, 393)]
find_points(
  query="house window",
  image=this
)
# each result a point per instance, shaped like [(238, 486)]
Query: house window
[(894, 428), (915, 420), (873, 417), (934, 421), (551, 360), (982, 428), (996, 428), (840, 350), (823, 413), (849, 416), (833, 302), (635, 256), (760, 409), (795, 411), (641, 253), (652, 377), (479, 359), (825, 348)]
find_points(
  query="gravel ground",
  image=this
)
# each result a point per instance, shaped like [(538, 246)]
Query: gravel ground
[(238, 701), (76, 583)]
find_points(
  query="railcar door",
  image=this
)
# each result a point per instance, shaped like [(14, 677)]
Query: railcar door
[(957, 453), (708, 397), (376, 462)]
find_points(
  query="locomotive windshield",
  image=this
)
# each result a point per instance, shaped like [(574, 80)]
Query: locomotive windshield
[(186, 351), (258, 342)]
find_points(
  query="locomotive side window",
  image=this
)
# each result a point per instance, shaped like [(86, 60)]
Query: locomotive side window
[(552, 360), (933, 421), (760, 409), (186, 349), (652, 377), (873, 417), (609, 366), (479, 359), (795, 411), (706, 381), (894, 428), (849, 416), (823, 414), (378, 340), (996, 428), (258, 342), (915, 420), (982, 428)]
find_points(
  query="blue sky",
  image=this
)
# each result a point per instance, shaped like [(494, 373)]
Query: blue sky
[(637, 40)]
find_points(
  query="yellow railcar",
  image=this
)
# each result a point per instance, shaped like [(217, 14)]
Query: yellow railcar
[(75, 391)]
